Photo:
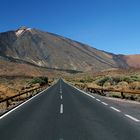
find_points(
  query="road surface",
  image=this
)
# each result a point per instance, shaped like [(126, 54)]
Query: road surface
[(64, 113)]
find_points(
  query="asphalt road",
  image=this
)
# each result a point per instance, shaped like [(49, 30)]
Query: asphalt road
[(65, 113)]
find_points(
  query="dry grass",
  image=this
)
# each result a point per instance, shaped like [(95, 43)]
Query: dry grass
[(7, 90), (113, 79), (133, 60), (15, 77)]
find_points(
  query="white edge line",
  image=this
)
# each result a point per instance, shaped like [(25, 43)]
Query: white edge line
[(98, 100), (23, 103), (115, 109), (130, 117), (82, 91), (61, 109), (104, 103)]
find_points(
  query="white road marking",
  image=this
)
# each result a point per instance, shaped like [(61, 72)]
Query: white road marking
[(22, 104), (130, 117), (93, 97), (61, 109), (104, 103), (60, 85), (61, 97), (82, 91), (88, 95), (115, 109), (60, 91), (98, 100)]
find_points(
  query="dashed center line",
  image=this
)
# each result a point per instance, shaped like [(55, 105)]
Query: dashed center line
[(104, 103), (130, 117), (115, 109), (61, 109), (61, 97)]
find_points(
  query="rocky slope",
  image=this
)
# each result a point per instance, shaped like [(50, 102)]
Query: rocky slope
[(45, 49), (133, 60)]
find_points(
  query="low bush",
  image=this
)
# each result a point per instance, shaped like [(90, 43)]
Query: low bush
[(106, 84), (135, 86), (39, 80), (118, 79), (104, 80), (135, 78)]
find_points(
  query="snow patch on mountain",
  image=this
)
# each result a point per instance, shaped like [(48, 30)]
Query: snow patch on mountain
[(22, 30)]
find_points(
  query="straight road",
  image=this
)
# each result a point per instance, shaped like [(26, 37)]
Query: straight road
[(64, 113)]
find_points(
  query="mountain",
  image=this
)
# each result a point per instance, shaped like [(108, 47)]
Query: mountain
[(44, 49), (133, 60)]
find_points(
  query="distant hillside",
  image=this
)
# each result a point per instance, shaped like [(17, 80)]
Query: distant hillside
[(133, 60), (33, 46)]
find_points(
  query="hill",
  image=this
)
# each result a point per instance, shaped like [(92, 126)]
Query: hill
[(35, 47), (133, 60)]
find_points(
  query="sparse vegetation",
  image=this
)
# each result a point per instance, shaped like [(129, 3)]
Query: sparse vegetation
[(39, 80), (113, 80), (11, 86)]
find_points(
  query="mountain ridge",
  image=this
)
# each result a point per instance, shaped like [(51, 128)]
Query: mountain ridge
[(54, 51)]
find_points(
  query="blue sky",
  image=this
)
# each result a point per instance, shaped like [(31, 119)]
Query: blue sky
[(110, 25)]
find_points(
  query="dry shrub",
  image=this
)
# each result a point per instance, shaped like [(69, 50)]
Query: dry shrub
[(7, 91), (135, 86), (107, 84), (92, 85), (122, 85), (81, 85)]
